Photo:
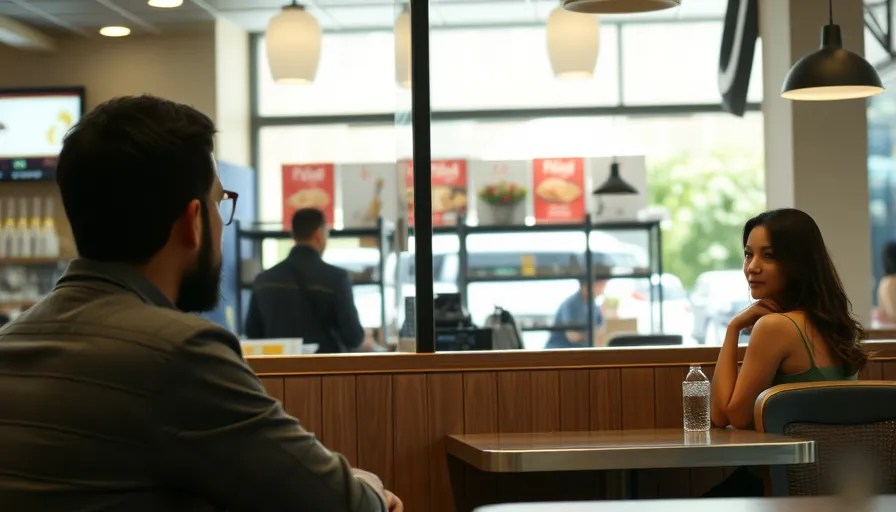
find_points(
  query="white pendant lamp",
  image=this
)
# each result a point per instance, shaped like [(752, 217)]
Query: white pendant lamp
[(618, 6), (573, 43), (403, 48), (293, 45)]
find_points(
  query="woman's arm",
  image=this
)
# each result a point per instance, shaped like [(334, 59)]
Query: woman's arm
[(733, 393)]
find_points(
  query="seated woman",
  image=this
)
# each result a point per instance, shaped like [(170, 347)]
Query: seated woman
[(802, 327)]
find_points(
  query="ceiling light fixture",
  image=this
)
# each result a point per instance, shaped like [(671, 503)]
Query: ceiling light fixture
[(165, 4), (403, 48), (573, 43), (115, 31), (293, 41), (618, 6), (831, 73)]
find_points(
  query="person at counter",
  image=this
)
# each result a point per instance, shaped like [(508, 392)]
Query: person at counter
[(305, 297), (574, 312), (123, 399)]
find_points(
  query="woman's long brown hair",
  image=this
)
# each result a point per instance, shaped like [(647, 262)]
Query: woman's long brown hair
[(811, 283)]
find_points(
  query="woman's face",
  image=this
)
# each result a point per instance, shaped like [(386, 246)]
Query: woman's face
[(760, 266)]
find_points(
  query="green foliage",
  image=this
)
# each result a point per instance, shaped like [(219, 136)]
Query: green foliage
[(709, 198)]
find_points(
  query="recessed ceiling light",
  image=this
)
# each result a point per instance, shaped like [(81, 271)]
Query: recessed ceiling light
[(165, 4), (115, 31)]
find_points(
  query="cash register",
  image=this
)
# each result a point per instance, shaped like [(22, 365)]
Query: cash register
[(454, 328)]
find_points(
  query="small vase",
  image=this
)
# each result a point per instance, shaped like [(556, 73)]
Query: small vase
[(504, 214)]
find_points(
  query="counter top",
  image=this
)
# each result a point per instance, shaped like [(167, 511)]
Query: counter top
[(502, 360)]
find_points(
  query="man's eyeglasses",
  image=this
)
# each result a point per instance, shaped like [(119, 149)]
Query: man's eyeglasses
[(227, 206)]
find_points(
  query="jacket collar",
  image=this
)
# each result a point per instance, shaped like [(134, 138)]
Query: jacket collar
[(119, 275)]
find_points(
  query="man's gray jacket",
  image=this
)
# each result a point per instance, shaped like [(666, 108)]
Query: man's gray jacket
[(112, 400)]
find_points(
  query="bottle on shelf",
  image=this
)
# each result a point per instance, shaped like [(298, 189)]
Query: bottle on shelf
[(3, 249), (34, 234), (8, 230), (48, 235), (695, 392), (23, 231)]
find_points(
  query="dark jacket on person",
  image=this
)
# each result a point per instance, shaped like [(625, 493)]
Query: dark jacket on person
[(115, 401), (305, 297)]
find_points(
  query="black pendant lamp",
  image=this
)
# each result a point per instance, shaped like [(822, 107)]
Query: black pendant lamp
[(614, 185), (831, 73)]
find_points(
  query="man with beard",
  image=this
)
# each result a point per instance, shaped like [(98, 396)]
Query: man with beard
[(116, 398)]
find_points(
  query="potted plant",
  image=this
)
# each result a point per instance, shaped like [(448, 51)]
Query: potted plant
[(503, 200)]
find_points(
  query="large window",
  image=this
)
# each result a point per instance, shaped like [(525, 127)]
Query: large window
[(654, 95)]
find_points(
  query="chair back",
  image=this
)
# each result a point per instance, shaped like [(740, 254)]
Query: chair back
[(853, 424)]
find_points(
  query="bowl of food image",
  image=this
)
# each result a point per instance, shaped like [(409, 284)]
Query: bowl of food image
[(556, 190), (309, 198)]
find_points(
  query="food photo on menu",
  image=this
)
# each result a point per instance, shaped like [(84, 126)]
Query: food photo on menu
[(308, 186), (559, 189)]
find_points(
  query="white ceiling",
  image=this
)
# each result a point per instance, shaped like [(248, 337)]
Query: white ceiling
[(86, 16)]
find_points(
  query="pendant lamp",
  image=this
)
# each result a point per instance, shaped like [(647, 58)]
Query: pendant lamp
[(573, 43), (403, 48), (831, 73), (618, 6), (614, 185), (293, 45)]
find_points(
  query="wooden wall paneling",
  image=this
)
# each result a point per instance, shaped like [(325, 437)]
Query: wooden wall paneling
[(872, 371), (606, 399), (545, 397), (481, 417), (303, 400), (638, 413), (374, 426), (274, 387), (339, 413), (704, 479), (412, 444), (888, 370), (575, 400), (446, 417), (514, 402), (671, 483)]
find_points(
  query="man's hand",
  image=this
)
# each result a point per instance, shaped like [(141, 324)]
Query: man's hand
[(393, 504), (575, 336), (371, 480)]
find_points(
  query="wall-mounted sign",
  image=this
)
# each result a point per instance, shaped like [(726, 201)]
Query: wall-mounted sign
[(307, 186)]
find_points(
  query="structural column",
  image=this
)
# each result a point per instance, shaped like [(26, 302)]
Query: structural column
[(816, 153)]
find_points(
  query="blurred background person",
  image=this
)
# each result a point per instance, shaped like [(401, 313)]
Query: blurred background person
[(305, 297), (574, 312), (886, 288)]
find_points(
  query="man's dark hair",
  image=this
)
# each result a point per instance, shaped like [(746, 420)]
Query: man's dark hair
[(128, 170), (889, 258), (306, 221)]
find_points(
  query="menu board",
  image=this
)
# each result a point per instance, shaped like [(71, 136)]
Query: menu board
[(369, 191), (32, 126), (308, 186), (559, 189), (449, 191), (514, 177)]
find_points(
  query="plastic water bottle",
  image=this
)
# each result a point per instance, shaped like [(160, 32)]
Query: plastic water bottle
[(695, 393)]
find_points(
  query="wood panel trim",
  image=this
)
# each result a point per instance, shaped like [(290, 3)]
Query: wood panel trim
[(505, 360)]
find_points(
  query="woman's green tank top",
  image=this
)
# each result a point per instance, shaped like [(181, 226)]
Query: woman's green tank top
[(815, 373)]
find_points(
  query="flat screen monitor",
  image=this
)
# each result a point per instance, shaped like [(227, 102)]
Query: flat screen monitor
[(33, 123)]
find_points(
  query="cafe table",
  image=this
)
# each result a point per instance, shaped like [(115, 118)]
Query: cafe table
[(627, 449), (829, 504), (622, 451)]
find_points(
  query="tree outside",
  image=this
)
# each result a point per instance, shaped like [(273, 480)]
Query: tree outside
[(709, 197)]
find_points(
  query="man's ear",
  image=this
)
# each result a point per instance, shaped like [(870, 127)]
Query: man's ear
[(188, 228)]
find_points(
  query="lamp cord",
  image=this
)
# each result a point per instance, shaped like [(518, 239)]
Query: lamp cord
[(830, 12)]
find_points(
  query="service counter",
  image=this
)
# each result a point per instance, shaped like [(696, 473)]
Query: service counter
[(390, 413)]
